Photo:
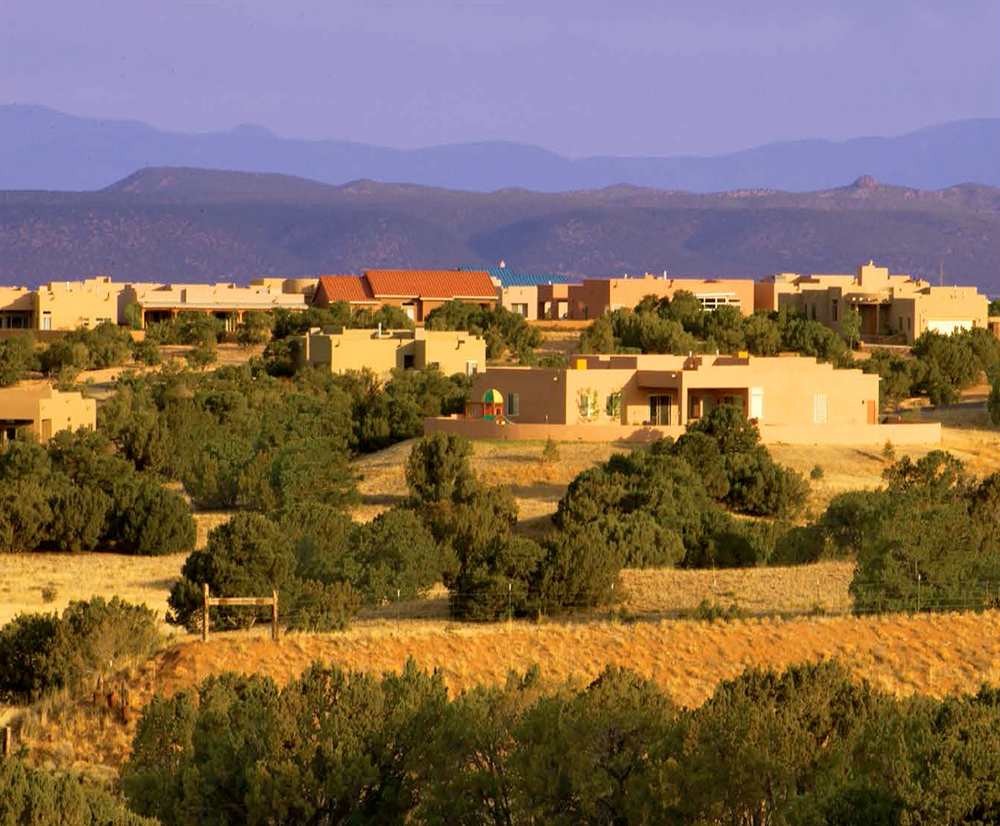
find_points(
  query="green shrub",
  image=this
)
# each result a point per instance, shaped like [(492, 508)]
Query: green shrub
[(816, 473), (203, 354), (147, 352), (550, 453), (158, 522), (578, 570), (438, 467), (394, 556), (41, 652), (17, 356), (247, 556), (45, 798), (494, 579), (320, 607), (800, 545), (711, 611), (99, 638), (28, 664), (889, 451), (25, 515)]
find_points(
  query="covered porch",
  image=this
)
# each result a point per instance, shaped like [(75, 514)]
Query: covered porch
[(670, 400)]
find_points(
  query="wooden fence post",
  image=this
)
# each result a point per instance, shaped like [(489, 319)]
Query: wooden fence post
[(274, 615), (204, 617), (6, 743)]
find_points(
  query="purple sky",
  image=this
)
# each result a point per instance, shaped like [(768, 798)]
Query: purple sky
[(688, 76)]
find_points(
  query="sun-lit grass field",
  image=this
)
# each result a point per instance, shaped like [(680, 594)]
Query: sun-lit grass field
[(929, 654)]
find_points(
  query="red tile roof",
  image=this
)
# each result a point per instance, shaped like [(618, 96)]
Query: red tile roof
[(443, 284), (345, 288)]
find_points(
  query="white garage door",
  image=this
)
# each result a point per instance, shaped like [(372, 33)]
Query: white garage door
[(947, 327)]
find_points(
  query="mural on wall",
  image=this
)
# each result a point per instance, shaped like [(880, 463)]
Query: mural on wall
[(587, 402), (613, 406)]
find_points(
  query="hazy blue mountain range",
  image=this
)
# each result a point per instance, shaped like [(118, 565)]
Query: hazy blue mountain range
[(41, 148), (183, 224)]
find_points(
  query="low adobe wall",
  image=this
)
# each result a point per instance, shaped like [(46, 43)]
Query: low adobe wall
[(923, 433)]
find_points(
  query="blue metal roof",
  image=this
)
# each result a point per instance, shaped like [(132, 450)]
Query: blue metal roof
[(509, 277)]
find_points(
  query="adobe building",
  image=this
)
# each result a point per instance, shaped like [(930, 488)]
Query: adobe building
[(17, 308), (594, 296), (339, 350), (792, 399), (888, 304), (43, 410), (63, 305), (228, 302), (416, 292), (531, 295)]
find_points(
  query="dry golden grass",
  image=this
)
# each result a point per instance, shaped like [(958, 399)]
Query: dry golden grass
[(537, 485), (794, 590), (137, 579), (928, 654)]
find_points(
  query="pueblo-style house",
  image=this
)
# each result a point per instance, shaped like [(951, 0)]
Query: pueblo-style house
[(792, 399)]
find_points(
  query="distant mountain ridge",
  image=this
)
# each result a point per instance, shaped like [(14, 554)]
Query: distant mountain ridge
[(42, 148), (184, 224)]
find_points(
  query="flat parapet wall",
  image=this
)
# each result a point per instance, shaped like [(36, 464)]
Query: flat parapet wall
[(923, 433)]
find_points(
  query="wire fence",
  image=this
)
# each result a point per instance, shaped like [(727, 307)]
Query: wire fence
[(867, 598)]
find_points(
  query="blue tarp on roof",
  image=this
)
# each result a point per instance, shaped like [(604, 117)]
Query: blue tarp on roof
[(509, 277)]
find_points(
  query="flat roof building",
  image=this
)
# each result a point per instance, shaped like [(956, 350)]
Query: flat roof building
[(381, 351), (595, 296), (225, 301), (43, 410), (792, 399), (889, 305)]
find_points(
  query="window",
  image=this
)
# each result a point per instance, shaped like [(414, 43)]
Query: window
[(46, 321), (472, 368), (520, 309), (757, 403), (712, 302), (659, 410), (834, 309), (819, 408), (733, 401), (513, 404), (694, 407)]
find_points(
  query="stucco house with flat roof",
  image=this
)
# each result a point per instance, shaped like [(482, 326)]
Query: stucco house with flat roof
[(529, 294), (228, 302), (40, 408), (594, 296), (792, 399), (888, 304), (381, 351)]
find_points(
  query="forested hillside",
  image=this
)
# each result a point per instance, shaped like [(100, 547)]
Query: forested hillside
[(200, 225)]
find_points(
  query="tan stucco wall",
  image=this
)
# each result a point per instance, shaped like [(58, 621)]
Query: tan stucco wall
[(594, 296), (17, 308), (72, 304), (47, 409), (345, 350), (521, 295), (787, 387), (215, 298), (924, 433), (902, 305)]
